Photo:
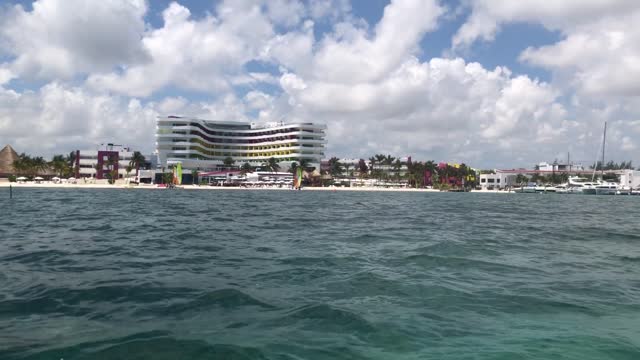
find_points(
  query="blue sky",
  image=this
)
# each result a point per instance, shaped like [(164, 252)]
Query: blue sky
[(431, 82)]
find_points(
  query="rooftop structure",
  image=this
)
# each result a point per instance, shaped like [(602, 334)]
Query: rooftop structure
[(7, 157), (559, 166), (204, 144)]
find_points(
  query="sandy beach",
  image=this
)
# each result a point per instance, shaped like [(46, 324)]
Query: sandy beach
[(45, 184)]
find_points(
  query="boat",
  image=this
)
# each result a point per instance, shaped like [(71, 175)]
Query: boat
[(529, 188), (624, 190), (562, 189), (606, 188), (578, 185)]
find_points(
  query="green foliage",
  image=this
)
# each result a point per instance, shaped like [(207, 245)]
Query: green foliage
[(128, 169), (30, 166), (12, 178), (194, 176), (137, 160), (335, 167), (228, 162), (362, 168), (60, 165), (522, 179), (112, 176), (272, 165), (167, 178), (246, 168), (613, 165)]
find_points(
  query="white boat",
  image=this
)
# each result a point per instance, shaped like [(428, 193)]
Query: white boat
[(606, 188), (623, 190), (562, 189), (529, 188), (578, 185)]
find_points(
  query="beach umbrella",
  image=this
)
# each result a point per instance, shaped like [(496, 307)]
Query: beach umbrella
[(55, 178), (38, 178), (21, 178), (71, 178)]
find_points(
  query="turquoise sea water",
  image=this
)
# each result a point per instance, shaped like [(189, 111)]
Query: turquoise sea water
[(132, 274)]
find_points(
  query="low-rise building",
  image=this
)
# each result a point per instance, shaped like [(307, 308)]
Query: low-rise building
[(100, 162), (559, 167), (630, 178), (497, 180)]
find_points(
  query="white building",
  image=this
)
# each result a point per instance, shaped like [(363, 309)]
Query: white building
[(204, 144), (498, 180), (560, 167), (99, 163), (629, 178)]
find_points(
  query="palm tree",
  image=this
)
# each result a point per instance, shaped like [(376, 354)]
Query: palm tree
[(59, 164), (194, 176), (228, 162), (38, 165), (128, 169), (389, 160), (362, 168), (346, 169), (372, 163), (71, 161), (272, 165), (246, 168), (335, 167), (293, 167), (416, 173), (396, 167), (305, 164), (137, 160), (112, 174), (22, 164)]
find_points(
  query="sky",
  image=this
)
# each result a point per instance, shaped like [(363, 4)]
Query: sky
[(491, 83)]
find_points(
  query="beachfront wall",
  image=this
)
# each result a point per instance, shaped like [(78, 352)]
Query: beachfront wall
[(203, 144)]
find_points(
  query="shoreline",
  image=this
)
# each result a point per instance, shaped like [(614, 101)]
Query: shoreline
[(46, 185)]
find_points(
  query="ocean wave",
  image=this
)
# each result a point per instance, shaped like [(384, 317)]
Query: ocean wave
[(156, 345)]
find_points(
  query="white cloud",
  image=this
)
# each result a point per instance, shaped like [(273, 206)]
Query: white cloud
[(204, 55), (487, 16), (600, 50), (59, 118), (62, 38), (364, 80), (627, 144), (433, 107), (331, 9), (258, 100), (352, 56), (285, 12), (5, 74), (600, 59)]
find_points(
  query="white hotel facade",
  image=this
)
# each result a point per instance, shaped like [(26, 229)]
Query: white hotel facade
[(204, 144)]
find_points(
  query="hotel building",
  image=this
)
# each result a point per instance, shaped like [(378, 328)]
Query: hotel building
[(203, 144)]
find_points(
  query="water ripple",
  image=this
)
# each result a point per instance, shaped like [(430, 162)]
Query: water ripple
[(109, 274)]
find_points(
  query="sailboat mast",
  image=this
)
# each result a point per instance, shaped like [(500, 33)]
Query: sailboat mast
[(604, 142)]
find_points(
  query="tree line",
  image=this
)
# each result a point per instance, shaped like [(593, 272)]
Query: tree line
[(625, 165), (65, 166), (416, 173)]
